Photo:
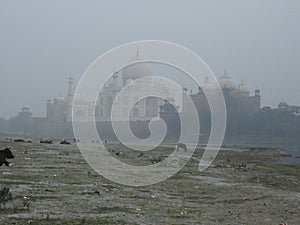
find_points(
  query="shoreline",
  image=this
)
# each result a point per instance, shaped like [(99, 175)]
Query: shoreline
[(248, 186)]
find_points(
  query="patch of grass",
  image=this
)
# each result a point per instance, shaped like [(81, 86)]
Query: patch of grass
[(113, 209), (12, 182), (243, 200), (14, 209), (69, 221), (281, 168), (5, 196)]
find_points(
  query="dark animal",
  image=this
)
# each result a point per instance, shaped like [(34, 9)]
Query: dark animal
[(19, 140), (5, 154), (181, 146), (46, 141), (65, 142)]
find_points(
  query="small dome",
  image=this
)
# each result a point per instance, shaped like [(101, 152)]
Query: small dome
[(243, 89), (227, 82), (208, 85)]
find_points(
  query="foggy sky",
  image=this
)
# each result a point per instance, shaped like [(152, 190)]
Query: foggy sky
[(42, 43)]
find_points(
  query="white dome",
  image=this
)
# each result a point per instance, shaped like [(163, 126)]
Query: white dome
[(227, 82), (243, 89), (136, 71)]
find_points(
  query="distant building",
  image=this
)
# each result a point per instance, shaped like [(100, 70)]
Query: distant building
[(56, 110), (237, 97), (239, 103), (60, 108), (284, 106), (142, 110), (25, 113)]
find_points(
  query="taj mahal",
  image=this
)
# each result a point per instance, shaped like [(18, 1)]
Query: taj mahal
[(60, 109), (237, 98)]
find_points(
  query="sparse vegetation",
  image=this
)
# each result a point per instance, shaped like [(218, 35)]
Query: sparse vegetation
[(5, 196), (241, 187)]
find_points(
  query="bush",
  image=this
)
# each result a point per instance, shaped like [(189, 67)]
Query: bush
[(5, 196)]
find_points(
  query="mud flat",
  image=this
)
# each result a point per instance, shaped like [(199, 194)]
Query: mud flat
[(52, 184)]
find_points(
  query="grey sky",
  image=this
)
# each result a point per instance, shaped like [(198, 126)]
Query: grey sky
[(42, 43)]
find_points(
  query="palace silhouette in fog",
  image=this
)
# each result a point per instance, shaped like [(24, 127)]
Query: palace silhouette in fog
[(244, 112)]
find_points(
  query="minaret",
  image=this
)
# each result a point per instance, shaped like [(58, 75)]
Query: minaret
[(185, 103), (70, 99), (225, 73), (48, 113), (257, 100)]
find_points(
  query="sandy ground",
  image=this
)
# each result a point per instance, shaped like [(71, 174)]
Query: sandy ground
[(246, 186)]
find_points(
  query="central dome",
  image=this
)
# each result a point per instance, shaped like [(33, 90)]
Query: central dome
[(136, 71)]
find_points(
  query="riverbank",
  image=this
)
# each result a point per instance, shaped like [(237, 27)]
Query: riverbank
[(243, 186)]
